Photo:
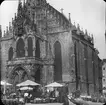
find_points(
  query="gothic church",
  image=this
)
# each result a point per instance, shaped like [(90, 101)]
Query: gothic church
[(42, 45)]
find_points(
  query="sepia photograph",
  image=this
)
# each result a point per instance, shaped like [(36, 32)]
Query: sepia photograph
[(53, 52)]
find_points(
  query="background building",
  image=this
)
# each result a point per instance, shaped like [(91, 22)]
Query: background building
[(43, 45), (104, 76)]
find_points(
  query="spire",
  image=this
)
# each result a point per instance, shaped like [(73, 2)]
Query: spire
[(0, 32), (4, 33), (74, 23), (19, 7), (82, 31), (62, 10), (74, 27), (92, 38), (78, 26), (69, 20), (86, 33), (12, 21), (7, 32), (78, 29), (69, 17), (10, 27), (15, 16), (24, 11), (24, 2)]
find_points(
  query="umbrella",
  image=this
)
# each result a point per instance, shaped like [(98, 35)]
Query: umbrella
[(28, 83), (5, 83), (13, 94), (54, 84), (26, 88)]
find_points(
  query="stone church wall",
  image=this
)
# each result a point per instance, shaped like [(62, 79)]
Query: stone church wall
[(65, 40), (5, 43)]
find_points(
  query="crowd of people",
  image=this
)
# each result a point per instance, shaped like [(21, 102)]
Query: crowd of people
[(43, 94), (47, 95)]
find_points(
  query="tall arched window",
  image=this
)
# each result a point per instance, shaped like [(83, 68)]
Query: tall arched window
[(57, 62), (10, 54), (30, 47), (20, 51), (37, 52)]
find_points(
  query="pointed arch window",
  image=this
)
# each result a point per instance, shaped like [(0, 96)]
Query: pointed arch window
[(20, 51), (30, 47), (10, 54), (57, 62), (37, 51)]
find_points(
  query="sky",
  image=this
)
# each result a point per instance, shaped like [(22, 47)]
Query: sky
[(90, 14)]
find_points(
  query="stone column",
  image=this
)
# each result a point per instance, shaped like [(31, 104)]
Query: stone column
[(51, 73), (34, 49), (14, 52), (44, 75), (34, 46), (26, 51)]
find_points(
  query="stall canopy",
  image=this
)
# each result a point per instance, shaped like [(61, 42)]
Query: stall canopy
[(5, 83), (25, 88), (28, 83), (54, 84)]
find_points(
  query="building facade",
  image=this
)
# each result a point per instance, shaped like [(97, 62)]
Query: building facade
[(104, 76), (43, 45)]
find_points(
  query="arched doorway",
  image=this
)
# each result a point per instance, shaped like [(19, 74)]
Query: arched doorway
[(18, 75), (20, 51), (57, 62)]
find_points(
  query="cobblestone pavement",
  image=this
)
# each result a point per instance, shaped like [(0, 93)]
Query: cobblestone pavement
[(70, 103)]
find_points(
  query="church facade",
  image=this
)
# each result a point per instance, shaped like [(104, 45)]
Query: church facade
[(43, 45)]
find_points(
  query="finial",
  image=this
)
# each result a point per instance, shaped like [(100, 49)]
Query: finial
[(86, 33), (19, 6), (12, 20), (62, 10), (4, 33), (69, 20), (69, 17), (15, 16), (9, 25), (92, 38), (82, 29), (74, 23), (7, 30), (78, 26)]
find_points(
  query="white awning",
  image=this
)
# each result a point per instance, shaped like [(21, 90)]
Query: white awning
[(28, 83)]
